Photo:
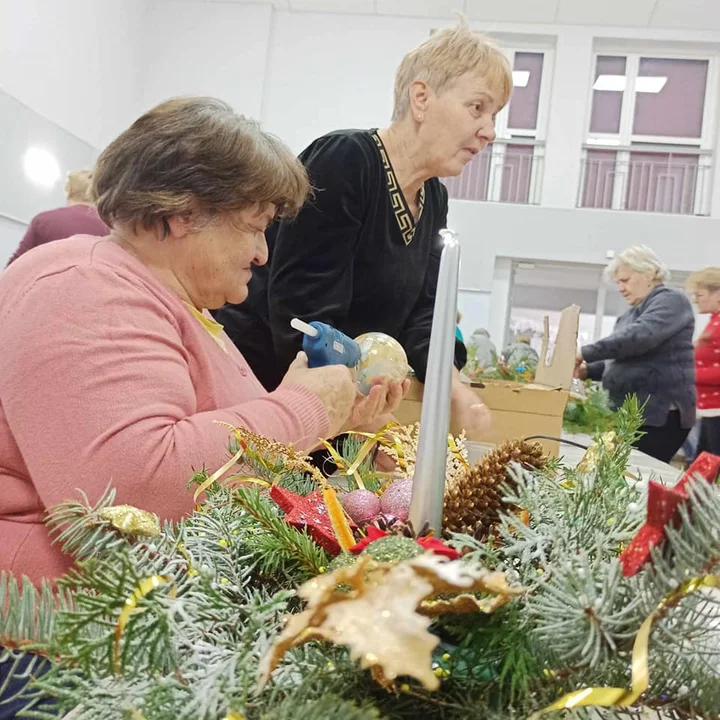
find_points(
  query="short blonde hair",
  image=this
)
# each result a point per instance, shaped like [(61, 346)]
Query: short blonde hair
[(77, 185), (705, 279), (640, 259), (447, 55)]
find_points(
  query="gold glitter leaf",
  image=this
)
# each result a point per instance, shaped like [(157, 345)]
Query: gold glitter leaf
[(131, 520), (378, 610)]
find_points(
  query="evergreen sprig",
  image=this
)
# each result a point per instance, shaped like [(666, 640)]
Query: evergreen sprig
[(278, 547), (191, 647)]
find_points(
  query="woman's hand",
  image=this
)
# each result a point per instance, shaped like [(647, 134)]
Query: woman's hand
[(581, 369), (468, 413), (333, 384), (383, 400)]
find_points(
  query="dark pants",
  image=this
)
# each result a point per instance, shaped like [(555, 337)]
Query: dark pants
[(663, 442), (709, 435), (14, 677)]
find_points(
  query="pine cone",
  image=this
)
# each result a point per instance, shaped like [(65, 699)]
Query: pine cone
[(473, 502)]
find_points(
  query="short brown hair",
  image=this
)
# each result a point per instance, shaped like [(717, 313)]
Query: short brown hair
[(447, 55), (706, 279), (77, 185), (194, 157)]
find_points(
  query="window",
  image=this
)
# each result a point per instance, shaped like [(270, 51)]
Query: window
[(510, 170), (649, 146)]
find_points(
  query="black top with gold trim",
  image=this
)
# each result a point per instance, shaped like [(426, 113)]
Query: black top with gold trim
[(354, 258)]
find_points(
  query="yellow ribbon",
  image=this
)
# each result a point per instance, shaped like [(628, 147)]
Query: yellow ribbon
[(341, 464), (336, 513), (455, 450), (248, 479), (145, 586), (377, 438), (217, 474), (232, 715), (640, 675)]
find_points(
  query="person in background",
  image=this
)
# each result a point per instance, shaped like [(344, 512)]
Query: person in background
[(136, 383), (649, 353), (705, 288), (78, 217), (364, 254), (458, 331), (459, 339)]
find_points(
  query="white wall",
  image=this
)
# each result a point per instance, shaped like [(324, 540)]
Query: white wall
[(306, 73), (329, 71), (488, 230), (201, 48), (74, 61), (475, 309)]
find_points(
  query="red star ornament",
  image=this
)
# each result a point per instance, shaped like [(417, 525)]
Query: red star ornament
[(662, 509), (309, 512)]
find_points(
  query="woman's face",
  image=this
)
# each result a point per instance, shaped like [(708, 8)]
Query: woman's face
[(633, 286), (707, 300), (214, 263), (459, 123)]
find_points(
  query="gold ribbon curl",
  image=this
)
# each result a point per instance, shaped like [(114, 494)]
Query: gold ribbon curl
[(145, 586), (640, 675)]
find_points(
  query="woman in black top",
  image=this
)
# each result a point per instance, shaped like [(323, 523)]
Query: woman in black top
[(364, 254)]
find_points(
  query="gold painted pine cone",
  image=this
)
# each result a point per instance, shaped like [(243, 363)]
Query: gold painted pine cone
[(473, 501)]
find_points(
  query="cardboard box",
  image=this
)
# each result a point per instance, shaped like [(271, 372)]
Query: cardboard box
[(518, 410)]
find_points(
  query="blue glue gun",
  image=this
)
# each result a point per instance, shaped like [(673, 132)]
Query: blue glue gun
[(324, 345)]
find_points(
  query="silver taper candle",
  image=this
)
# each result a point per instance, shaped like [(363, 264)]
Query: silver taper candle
[(426, 504)]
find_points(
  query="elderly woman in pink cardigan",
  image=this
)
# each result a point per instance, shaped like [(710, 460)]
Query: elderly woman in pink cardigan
[(112, 370)]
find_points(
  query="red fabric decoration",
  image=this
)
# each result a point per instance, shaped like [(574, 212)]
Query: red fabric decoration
[(373, 534), (426, 543), (438, 547), (662, 509), (308, 512)]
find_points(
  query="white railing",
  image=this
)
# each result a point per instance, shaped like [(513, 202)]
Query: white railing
[(646, 178), (506, 171)]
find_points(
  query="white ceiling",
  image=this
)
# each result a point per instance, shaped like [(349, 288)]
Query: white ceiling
[(685, 14)]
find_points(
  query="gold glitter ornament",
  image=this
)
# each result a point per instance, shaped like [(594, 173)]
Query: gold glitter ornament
[(606, 442), (131, 520)]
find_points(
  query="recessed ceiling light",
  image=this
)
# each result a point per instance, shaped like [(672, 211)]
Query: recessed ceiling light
[(41, 167), (650, 84), (520, 78), (616, 83), (610, 83)]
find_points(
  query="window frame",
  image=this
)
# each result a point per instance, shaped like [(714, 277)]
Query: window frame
[(624, 142), (522, 136)]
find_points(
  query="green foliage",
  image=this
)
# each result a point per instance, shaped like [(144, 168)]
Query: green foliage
[(589, 416), (278, 548), (225, 579), (350, 447)]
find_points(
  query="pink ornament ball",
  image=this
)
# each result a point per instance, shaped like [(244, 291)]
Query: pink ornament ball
[(360, 505), (396, 499)]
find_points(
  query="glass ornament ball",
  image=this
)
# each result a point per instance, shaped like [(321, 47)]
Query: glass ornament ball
[(381, 357)]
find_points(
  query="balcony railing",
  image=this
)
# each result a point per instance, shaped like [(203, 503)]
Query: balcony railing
[(507, 171), (646, 179)]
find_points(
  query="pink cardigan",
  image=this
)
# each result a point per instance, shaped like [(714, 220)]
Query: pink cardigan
[(106, 378)]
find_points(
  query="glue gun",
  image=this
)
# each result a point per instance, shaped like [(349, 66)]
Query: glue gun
[(324, 345)]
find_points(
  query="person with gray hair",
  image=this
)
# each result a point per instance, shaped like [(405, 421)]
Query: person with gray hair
[(649, 353)]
